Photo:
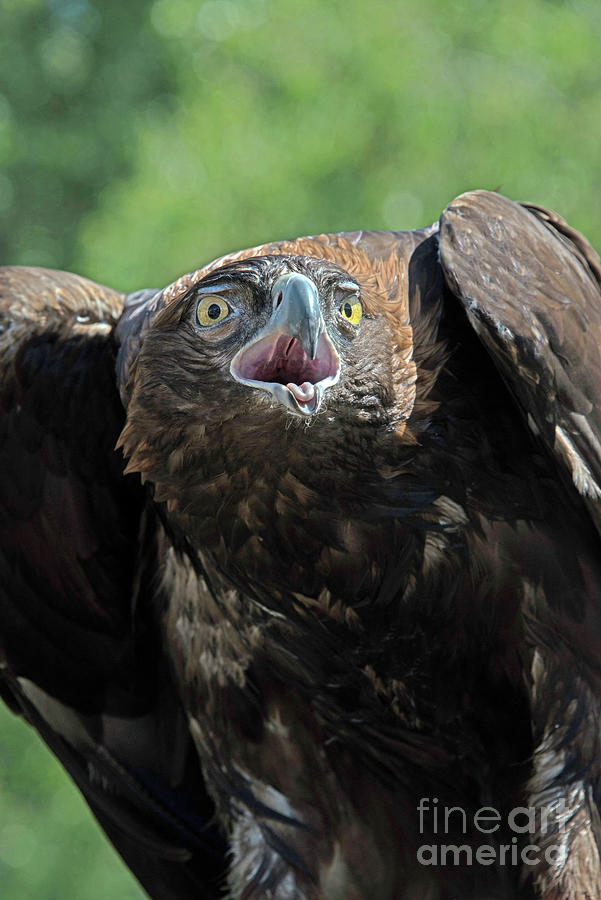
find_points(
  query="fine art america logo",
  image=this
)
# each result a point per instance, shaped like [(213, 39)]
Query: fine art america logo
[(522, 821)]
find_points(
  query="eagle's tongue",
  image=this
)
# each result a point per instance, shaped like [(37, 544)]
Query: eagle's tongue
[(303, 392)]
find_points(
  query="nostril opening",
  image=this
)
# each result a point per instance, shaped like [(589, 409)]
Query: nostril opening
[(279, 299)]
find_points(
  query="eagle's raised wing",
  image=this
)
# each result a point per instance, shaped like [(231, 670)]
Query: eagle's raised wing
[(531, 287), (79, 650)]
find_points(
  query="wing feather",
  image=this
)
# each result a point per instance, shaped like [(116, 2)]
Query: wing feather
[(67, 521), (531, 288)]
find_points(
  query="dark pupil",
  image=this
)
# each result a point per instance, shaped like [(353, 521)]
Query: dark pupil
[(348, 310), (214, 311)]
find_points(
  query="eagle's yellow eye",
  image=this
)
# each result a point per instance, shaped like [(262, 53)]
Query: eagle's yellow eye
[(211, 310), (352, 311)]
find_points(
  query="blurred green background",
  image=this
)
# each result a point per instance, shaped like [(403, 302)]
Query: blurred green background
[(139, 139)]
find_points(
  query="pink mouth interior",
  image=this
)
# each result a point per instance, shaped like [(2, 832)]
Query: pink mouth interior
[(282, 360)]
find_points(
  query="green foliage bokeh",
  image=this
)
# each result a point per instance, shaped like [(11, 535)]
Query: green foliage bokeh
[(138, 140)]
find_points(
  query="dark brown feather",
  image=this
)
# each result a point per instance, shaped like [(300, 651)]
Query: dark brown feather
[(537, 310)]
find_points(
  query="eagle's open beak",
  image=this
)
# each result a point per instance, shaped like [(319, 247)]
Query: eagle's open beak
[(292, 357)]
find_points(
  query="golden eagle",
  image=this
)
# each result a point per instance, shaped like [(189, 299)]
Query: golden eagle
[(300, 573)]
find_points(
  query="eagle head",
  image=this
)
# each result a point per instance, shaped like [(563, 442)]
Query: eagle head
[(221, 371), (300, 316), (277, 333)]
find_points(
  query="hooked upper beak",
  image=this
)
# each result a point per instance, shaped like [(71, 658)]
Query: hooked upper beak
[(293, 357), (296, 311)]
